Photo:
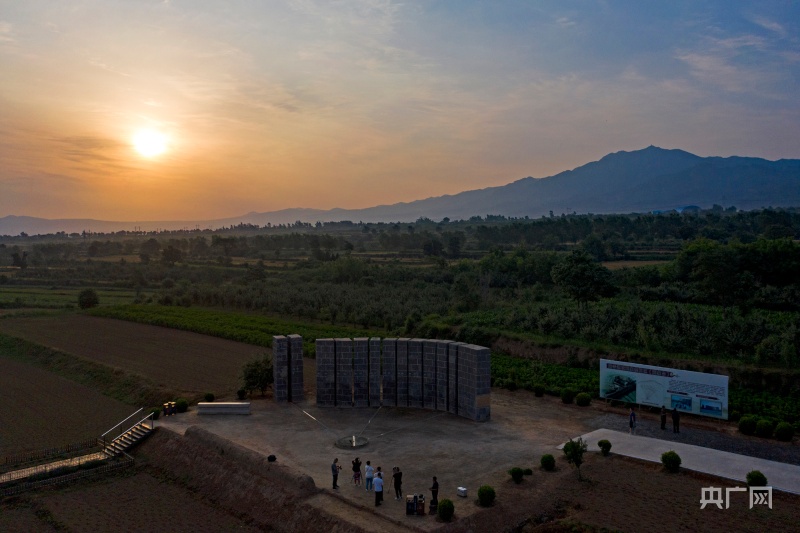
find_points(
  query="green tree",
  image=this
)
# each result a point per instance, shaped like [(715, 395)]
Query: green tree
[(582, 278), (171, 255), (258, 374), (573, 450), (88, 298)]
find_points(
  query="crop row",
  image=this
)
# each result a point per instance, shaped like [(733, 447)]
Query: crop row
[(248, 328)]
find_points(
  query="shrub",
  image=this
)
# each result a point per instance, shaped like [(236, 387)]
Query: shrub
[(486, 496), (756, 479), (747, 424), (156, 412), (784, 431), (538, 390), (209, 397), (764, 428), (528, 472), (87, 299), (605, 446), (181, 405), (241, 394), (516, 474), (671, 461), (445, 509), (583, 399), (511, 385), (548, 462), (735, 416), (567, 395)]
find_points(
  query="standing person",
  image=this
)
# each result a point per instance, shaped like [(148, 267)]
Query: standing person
[(676, 420), (398, 482), (663, 417), (369, 472), (378, 483), (435, 491), (335, 467), (632, 422), (357, 472)]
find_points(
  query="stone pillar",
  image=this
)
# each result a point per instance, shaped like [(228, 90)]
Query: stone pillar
[(326, 373), (483, 384), (344, 372), (375, 371), (360, 372), (452, 378), (415, 398), (442, 375), (402, 372), (280, 368), (389, 373), (429, 371), (467, 379), (296, 392)]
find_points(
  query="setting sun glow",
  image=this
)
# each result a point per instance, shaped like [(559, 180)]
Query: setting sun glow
[(150, 143)]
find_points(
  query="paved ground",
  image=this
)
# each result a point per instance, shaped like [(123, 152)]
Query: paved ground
[(458, 451), (422, 443), (733, 466)]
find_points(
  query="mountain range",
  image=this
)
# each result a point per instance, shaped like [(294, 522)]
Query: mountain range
[(651, 179)]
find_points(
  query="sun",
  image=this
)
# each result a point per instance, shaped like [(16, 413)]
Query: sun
[(150, 143)]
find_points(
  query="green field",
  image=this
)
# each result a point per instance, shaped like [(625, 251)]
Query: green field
[(16, 297)]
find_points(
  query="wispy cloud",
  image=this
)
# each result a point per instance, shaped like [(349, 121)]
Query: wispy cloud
[(565, 22), (770, 25), (6, 32)]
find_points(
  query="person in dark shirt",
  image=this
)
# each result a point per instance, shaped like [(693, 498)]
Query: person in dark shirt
[(435, 491), (335, 472), (632, 422), (676, 420), (397, 477)]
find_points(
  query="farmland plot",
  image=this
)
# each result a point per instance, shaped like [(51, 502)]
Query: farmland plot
[(189, 362), (42, 410)]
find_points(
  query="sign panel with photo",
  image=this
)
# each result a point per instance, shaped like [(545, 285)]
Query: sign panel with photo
[(688, 392)]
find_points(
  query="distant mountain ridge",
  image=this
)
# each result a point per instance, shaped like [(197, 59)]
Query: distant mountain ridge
[(623, 182)]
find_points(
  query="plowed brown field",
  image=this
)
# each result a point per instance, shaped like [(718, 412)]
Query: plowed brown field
[(41, 410), (174, 359)]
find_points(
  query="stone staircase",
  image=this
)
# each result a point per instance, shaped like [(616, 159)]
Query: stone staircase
[(128, 440)]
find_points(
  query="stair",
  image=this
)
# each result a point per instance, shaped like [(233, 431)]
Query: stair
[(127, 440)]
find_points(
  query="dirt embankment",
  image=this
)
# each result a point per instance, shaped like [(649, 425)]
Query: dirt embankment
[(270, 496)]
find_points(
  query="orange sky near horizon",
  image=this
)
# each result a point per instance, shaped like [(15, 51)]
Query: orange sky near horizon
[(303, 103)]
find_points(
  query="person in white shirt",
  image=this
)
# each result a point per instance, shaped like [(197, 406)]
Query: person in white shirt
[(369, 473), (378, 484)]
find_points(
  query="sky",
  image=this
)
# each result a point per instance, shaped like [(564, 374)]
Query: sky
[(263, 105)]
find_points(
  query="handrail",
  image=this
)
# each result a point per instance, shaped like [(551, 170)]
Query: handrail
[(152, 426), (119, 423), (137, 423)]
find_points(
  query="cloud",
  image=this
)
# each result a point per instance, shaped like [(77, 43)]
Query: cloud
[(6, 32), (99, 64), (770, 25), (565, 22), (91, 152)]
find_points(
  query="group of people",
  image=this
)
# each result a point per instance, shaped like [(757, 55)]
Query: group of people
[(676, 420), (374, 481)]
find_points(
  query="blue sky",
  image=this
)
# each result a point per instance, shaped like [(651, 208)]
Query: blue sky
[(267, 105)]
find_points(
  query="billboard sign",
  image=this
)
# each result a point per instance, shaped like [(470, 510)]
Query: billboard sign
[(689, 392)]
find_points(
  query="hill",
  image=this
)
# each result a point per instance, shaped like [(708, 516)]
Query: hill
[(639, 181)]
